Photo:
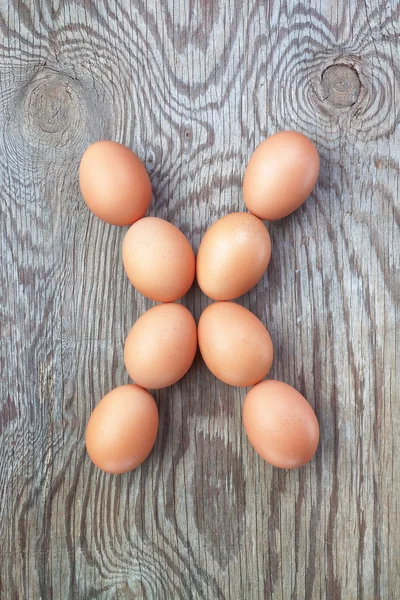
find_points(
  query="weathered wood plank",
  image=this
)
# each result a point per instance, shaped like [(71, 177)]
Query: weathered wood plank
[(192, 88)]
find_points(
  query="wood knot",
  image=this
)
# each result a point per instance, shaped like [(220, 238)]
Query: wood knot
[(51, 111), (341, 85)]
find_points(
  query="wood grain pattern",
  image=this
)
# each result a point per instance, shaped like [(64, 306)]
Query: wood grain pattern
[(193, 87)]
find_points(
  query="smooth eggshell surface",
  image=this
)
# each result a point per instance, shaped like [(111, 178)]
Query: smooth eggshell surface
[(280, 424), (114, 183), (234, 344), (158, 259), (233, 256), (122, 429), (161, 346), (280, 175)]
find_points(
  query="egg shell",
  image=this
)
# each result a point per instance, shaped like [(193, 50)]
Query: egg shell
[(158, 259), (280, 424), (280, 175), (161, 346), (114, 183), (233, 256), (122, 429), (234, 344)]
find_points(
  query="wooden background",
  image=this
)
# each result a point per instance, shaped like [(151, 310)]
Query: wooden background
[(193, 86)]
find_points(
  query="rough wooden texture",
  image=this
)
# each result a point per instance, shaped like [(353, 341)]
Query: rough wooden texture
[(193, 87)]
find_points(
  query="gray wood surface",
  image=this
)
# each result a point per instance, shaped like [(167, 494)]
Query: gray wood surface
[(193, 86)]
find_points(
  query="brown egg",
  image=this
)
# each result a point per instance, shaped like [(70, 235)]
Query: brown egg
[(161, 346), (158, 259), (234, 344), (280, 424), (232, 256), (280, 175), (122, 429), (114, 183)]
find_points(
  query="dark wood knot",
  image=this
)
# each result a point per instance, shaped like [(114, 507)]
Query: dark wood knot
[(52, 111), (341, 85)]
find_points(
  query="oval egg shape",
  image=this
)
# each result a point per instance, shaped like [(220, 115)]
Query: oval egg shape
[(114, 183), (280, 424), (161, 346), (233, 256), (158, 259), (234, 344), (280, 175), (122, 429)]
